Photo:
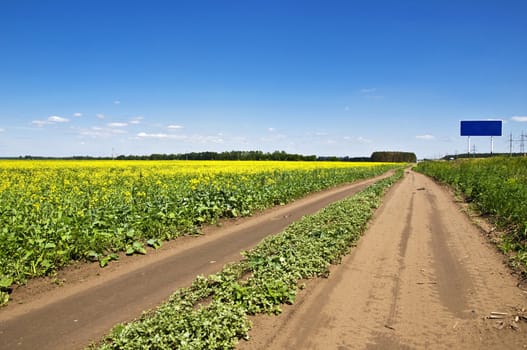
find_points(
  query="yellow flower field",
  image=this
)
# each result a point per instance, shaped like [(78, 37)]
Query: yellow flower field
[(53, 212)]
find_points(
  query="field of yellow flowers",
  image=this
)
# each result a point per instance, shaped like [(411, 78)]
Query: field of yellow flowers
[(53, 212)]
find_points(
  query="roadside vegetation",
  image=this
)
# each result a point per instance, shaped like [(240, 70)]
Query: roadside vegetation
[(497, 188), (54, 212), (213, 312)]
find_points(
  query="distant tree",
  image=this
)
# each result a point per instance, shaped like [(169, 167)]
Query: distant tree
[(402, 157)]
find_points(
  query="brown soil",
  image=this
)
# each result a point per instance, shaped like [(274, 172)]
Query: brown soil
[(423, 277), (83, 302)]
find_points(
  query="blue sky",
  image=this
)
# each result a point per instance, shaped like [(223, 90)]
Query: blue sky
[(311, 77)]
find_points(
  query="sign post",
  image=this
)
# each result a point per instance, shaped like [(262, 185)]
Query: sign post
[(481, 128), (491, 144)]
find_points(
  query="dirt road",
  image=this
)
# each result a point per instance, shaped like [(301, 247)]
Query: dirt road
[(93, 300), (422, 277)]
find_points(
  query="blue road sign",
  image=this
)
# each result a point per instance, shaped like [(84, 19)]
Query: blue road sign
[(481, 127)]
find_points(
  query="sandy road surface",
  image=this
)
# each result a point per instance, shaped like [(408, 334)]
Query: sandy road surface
[(75, 314), (422, 277)]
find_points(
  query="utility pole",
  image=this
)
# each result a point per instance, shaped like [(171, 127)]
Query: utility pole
[(510, 144), (522, 143)]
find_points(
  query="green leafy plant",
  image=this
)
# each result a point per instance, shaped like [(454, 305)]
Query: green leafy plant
[(5, 283)]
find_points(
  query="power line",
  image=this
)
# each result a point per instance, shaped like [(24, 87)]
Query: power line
[(521, 141)]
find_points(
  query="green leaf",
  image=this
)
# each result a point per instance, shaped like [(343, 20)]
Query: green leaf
[(92, 255), (4, 298), (154, 242), (104, 261), (5, 282), (138, 248), (113, 256)]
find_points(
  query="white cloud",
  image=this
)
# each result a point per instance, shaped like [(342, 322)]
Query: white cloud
[(2, 129), (51, 120), (154, 136), (271, 129), (370, 93), (136, 120), (363, 140), (175, 127), (368, 90), (316, 134), (425, 137), (145, 135), (116, 102), (98, 132), (40, 123), (78, 115), (520, 119), (99, 116), (117, 125), (201, 139), (57, 119)]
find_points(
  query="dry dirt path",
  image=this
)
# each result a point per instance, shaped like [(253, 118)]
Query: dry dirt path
[(422, 277), (71, 316)]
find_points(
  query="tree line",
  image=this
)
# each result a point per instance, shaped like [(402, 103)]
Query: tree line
[(250, 155), (228, 155), (398, 157)]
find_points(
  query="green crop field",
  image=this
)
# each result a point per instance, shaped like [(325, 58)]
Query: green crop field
[(54, 212)]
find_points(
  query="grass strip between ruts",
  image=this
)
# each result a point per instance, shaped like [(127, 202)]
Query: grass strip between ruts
[(212, 312)]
